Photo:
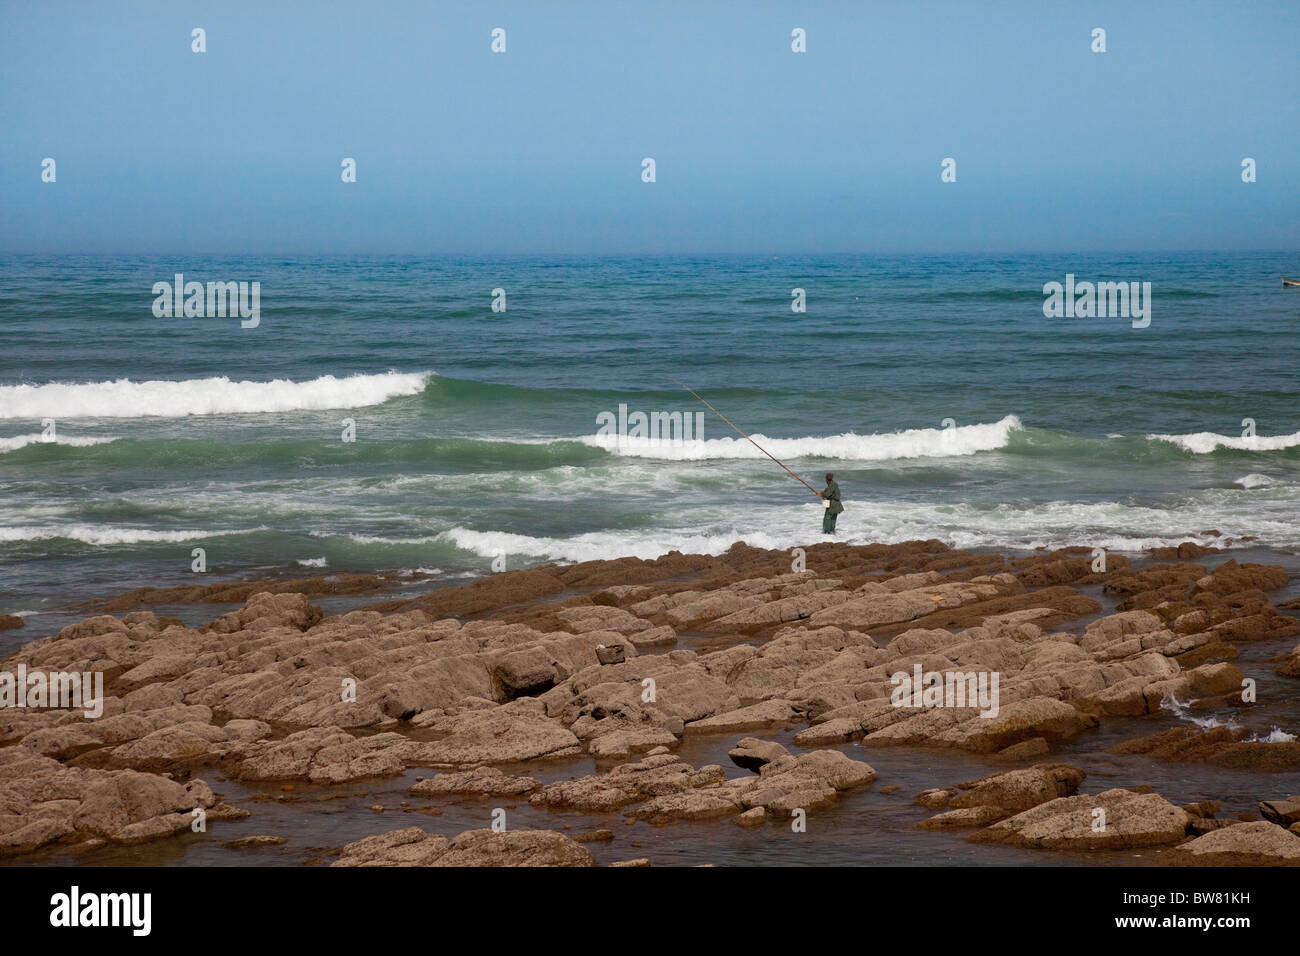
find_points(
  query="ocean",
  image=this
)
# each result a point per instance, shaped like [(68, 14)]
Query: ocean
[(945, 401)]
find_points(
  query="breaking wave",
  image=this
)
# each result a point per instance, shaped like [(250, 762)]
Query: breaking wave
[(1203, 443), (912, 443), (124, 398)]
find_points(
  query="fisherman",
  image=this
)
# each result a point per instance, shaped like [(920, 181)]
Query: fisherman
[(831, 501), (830, 497)]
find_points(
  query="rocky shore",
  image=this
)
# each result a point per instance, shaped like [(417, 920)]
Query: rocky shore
[(625, 662)]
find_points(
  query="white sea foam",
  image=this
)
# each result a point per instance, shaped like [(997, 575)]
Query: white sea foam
[(312, 562), (1183, 712), (1202, 443), (205, 396), (101, 535), (1254, 480), (380, 539), (712, 529), (1276, 736), (15, 442), (912, 443)]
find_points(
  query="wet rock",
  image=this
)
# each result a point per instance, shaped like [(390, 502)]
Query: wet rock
[(43, 802), (414, 847), (1180, 576), (192, 743), (655, 637), (480, 781), (1245, 844), (1021, 720), (74, 733), (624, 742), (864, 613), (638, 631), (704, 804), (627, 784), (408, 847), (602, 618), (963, 818), (1050, 606), (495, 736), (1115, 627), (753, 754), (1219, 746), (479, 597), (1290, 666), (1284, 813), (1132, 820), (1185, 551), (768, 714), (620, 594), (661, 692), (611, 653), (265, 610), (665, 789), (837, 730), (799, 658), (696, 614), (1231, 577), (805, 782), (937, 798), (1025, 750), (796, 608), (232, 592), (529, 682), (1017, 790), (325, 755), (252, 842)]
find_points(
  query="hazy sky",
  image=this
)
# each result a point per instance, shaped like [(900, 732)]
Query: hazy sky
[(539, 149)]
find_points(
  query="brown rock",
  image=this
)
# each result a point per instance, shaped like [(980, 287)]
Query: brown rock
[(1245, 844), (1284, 813), (1132, 820), (754, 754), (1219, 746), (414, 847), (482, 781)]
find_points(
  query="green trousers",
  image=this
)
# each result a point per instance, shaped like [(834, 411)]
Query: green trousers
[(828, 522)]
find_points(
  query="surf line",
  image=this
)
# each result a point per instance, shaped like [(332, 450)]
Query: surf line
[(750, 440)]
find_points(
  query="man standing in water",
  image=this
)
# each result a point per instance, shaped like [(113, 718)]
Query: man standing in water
[(831, 498)]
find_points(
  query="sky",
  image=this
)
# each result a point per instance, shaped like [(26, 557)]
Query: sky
[(538, 150)]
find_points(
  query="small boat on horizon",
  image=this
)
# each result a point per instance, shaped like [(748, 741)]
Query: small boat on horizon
[(1286, 281)]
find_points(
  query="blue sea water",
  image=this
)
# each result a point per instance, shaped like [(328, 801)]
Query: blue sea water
[(945, 401)]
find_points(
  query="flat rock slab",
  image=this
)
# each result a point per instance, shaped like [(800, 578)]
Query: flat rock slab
[(1243, 844), (1131, 820), (484, 781), (761, 716), (414, 847)]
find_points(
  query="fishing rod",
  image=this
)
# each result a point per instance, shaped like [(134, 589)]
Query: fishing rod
[(750, 440)]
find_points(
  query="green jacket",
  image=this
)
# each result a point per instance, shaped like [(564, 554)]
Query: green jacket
[(832, 494)]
